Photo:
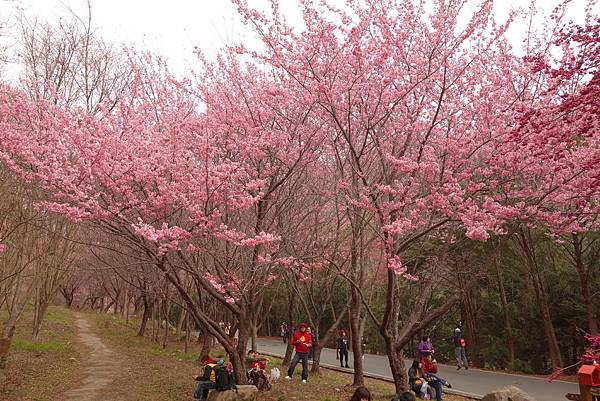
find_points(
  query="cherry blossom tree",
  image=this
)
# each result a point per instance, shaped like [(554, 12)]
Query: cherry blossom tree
[(423, 110)]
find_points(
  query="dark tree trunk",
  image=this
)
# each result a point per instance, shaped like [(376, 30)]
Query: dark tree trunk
[(356, 337), (510, 342), (584, 283), (145, 317)]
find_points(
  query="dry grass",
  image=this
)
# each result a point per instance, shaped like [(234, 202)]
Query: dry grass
[(42, 370)]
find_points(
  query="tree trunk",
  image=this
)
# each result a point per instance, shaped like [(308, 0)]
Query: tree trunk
[(180, 323), (38, 319), (204, 340), (145, 317), (291, 324), (510, 341), (584, 284), (396, 360), (186, 344), (6, 335), (528, 246), (356, 337), (166, 311), (254, 333)]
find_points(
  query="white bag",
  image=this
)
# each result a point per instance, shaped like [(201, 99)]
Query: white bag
[(275, 374)]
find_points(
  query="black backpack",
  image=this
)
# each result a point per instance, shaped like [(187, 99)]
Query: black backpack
[(223, 380)]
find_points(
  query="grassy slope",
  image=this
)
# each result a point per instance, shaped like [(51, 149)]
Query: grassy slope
[(42, 370)]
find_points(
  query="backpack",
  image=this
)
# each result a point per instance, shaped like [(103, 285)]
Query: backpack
[(223, 381)]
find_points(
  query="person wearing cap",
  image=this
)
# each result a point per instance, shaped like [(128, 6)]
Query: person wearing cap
[(302, 342), (207, 381)]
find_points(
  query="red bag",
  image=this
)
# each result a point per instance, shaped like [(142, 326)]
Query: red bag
[(462, 342)]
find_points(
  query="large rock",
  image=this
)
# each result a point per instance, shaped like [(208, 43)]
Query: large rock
[(243, 393), (510, 393)]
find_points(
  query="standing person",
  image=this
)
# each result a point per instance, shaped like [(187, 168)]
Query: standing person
[(430, 372), (342, 348), (459, 347), (302, 341), (425, 347), (418, 383), (311, 351), (364, 347), (283, 331), (361, 394)]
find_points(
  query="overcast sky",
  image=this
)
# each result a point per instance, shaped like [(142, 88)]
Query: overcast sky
[(174, 27)]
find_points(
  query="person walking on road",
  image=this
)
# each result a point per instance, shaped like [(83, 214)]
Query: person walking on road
[(425, 347), (302, 341), (284, 331), (459, 348), (342, 348)]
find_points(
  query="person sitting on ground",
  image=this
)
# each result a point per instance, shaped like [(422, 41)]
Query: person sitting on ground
[(417, 382), (256, 374), (342, 348), (361, 394), (430, 371), (207, 381), (425, 347), (302, 341), (406, 396), (254, 360)]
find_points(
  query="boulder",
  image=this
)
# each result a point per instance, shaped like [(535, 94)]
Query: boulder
[(510, 393), (243, 393)]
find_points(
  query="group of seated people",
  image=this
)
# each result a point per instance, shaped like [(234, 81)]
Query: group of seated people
[(215, 370), (423, 375)]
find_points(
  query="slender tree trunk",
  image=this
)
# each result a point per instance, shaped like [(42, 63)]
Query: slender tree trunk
[(166, 310), (180, 323), (38, 319), (6, 335), (356, 337), (186, 344), (254, 334), (291, 322), (584, 283), (510, 342), (528, 246), (145, 317)]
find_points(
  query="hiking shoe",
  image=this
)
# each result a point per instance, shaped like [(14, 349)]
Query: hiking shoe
[(348, 366), (448, 385), (458, 367), (288, 378), (304, 381)]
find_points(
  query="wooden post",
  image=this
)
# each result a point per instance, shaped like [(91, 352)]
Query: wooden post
[(585, 392)]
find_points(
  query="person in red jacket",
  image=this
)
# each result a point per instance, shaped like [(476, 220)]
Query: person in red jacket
[(302, 341), (430, 372)]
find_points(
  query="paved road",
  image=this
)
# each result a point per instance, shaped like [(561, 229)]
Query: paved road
[(472, 381)]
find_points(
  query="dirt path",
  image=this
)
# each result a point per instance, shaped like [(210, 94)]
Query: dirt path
[(101, 366)]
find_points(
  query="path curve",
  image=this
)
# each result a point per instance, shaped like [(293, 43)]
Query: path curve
[(101, 365)]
